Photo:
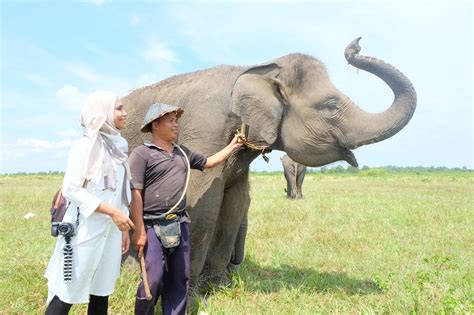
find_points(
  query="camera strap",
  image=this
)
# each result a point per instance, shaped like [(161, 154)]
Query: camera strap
[(67, 249), (77, 217), (67, 266), (67, 253)]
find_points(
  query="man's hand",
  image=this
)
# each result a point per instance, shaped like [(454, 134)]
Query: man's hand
[(125, 242), (224, 154), (240, 137), (237, 142), (139, 240)]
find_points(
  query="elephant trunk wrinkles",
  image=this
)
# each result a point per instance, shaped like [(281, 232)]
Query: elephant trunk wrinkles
[(371, 128)]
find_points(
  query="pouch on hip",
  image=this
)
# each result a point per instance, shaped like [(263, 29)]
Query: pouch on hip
[(169, 233)]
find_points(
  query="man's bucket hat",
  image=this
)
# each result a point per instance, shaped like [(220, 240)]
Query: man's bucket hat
[(157, 110)]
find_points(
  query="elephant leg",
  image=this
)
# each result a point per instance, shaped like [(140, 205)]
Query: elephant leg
[(301, 174), (234, 209), (288, 178), (239, 246), (204, 210)]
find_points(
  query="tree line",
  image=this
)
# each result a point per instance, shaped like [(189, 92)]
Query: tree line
[(389, 169), (329, 170)]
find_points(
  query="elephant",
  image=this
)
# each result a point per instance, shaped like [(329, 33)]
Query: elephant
[(294, 175), (287, 104)]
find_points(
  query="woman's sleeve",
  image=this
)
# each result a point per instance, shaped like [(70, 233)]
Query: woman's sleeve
[(73, 180)]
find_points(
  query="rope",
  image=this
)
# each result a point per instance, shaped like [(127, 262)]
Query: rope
[(242, 135), (169, 215)]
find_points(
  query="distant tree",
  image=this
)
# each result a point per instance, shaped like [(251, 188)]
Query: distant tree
[(352, 169)]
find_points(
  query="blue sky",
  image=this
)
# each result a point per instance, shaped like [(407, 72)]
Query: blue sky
[(53, 53)]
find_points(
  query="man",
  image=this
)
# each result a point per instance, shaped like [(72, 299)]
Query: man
[(159, 179)]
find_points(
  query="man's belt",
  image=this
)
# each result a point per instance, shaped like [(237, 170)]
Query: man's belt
[(150, 218)]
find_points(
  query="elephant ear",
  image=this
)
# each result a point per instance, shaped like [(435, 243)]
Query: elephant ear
[(258, 99)]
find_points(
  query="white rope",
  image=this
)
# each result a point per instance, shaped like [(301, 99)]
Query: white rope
[(169, 212)]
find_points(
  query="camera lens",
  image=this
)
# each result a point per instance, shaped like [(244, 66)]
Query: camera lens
[(66, 229)]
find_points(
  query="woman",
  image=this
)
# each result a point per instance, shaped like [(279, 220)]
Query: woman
[(95, 182)]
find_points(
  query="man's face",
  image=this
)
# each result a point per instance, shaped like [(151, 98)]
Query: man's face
[(166, 127)]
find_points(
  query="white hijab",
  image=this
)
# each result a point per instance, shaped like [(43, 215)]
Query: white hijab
[(108, 147)]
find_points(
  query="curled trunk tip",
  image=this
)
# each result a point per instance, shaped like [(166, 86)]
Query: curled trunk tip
[(376, 127), (352, 49)]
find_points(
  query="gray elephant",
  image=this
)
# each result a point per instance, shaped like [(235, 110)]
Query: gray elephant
[(294, 175), (288, 104)]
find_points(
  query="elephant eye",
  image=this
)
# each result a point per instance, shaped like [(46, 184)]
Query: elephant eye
[(328, 104), (331, 103)]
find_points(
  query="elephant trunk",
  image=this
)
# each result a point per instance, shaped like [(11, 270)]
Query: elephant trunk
[(369, 127)]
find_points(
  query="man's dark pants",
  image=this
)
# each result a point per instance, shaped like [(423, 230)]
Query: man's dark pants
[(169, 280)]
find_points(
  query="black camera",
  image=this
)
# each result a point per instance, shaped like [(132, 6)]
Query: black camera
[(65, 229)]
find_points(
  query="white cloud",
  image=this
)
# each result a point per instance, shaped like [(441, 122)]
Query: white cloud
[(69, 133), (95, 49), (34, 155), (147, 79), (38, 145), (96, 2), (38, 80), (70, 97), (211, 39), (84, 73), (27, 146), (219, 40), (157, 51), (97, 81), (134, 20)]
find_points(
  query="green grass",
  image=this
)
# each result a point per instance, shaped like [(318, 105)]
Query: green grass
[(370, 242)]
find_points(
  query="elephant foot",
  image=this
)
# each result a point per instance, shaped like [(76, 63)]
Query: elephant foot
[(233, 267), (221, 280), (196, 301), (211, 279)]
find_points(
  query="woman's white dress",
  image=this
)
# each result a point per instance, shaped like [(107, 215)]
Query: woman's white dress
[(97, 244)]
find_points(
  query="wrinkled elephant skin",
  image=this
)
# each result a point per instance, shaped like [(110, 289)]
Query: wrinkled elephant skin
[(288, 104)]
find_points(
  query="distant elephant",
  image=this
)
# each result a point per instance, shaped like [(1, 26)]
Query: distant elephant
[(294, 175), (288, 104)]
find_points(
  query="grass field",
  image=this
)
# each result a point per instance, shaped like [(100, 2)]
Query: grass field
[(371, 242)]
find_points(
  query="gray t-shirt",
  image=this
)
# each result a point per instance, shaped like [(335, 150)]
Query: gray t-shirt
[(162, 177)]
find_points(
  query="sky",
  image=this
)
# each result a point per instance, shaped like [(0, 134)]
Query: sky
[(53, 53)]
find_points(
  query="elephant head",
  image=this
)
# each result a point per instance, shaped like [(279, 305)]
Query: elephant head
[(292, 106)]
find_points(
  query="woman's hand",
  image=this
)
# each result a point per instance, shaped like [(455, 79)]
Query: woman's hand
[(125, 242), (122, 221), (139, 240)]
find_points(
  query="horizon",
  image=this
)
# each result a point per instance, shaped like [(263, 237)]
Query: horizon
[(322, 169)]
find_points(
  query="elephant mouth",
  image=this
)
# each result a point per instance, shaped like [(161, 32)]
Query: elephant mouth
[(349, 157)]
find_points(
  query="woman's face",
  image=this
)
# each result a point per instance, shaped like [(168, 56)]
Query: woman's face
[(120, 116)]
